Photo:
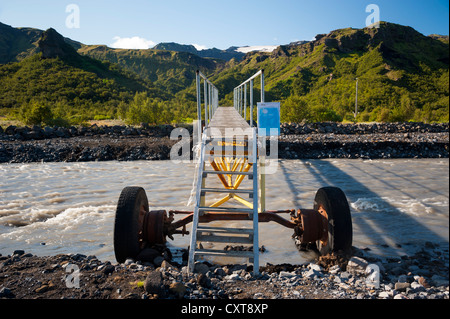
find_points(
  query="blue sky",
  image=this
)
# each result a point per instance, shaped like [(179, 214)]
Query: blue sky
[(212, 23)]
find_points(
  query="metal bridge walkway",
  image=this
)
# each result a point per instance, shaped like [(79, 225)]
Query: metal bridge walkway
[(228, 154), (226, 118)]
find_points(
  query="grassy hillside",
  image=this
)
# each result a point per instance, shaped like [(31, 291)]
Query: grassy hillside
[(17, 43), (73, 87), (214, 53), (402, 74), (168, 70)]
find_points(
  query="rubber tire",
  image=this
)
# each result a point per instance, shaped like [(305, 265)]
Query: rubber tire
[(126, 224), (340, 231)]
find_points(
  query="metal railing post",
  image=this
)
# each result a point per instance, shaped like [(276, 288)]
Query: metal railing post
[(242, 101), (245, 102), (240, 96), (262, 86), (238, 99), (251, 103), (199, 107), (211, 100), (205, 89)]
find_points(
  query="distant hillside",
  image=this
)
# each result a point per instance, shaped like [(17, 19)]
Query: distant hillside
[(214, 53), (70, 84), (19, 43), (168, 70), (16, 43), (403, 75)]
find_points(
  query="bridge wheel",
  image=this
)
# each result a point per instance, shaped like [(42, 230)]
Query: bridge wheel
[(331, 203), (128, 225)]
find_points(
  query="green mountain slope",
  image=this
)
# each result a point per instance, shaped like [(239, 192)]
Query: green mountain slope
[(70, 84), (17, 43), (214, 53), (169, 70), (402, 74)]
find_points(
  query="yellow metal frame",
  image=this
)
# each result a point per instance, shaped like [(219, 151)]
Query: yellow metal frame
[(231, 164)]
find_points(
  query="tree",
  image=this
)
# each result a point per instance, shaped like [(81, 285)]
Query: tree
[(294, 109), (36, 113)]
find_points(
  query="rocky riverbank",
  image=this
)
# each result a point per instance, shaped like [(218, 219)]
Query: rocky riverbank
[(423, 275), (297, 141)]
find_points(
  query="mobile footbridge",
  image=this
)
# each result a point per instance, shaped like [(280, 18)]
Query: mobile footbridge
[(230, 187)]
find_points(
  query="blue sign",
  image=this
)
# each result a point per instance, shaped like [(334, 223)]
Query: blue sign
[(269, 119)]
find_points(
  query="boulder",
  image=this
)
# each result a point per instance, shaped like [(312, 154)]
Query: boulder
[(357, 265), (178, 288), (154, 283)]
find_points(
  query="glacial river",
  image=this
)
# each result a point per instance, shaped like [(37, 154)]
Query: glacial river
[(53, 208)]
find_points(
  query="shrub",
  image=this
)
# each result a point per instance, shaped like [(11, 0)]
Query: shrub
[(35, 113)]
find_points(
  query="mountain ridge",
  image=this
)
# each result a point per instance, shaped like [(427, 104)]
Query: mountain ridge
[(401, 72), (214, 53), (403, 75)]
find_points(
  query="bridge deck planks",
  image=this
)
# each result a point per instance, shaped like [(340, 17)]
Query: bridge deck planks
[(227, 117)]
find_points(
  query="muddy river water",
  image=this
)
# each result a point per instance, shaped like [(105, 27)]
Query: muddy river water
[(52, 208)]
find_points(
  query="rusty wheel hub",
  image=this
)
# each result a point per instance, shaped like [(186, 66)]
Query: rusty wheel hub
[(312, 225), (153, 227)]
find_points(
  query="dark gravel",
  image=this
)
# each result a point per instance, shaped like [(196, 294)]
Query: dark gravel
[(422, 275), (297, 141)]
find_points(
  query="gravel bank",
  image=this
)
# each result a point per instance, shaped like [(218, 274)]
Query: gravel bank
[(297, 141), (423, 275)]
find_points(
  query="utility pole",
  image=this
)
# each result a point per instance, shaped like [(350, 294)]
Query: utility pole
[(356, 99)]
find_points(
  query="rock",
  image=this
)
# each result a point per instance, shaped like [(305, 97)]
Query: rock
[(315, 267), (166, 265), (424, 282), (147, 255), (417, 287), (400, 296), (287, 274), (384, 295), (219, 272), (108, 269), (6, 293), (10, 130), (129, 261), (158, 261), (334, 269), (178, 288), (233, 277), (42, 289), (439, 280), (259, 295), (154, 283), (311, 274), (402, 286), (201, 268), (357, 265), (18, 252), (402, 279), (204, 281), (48, 131)]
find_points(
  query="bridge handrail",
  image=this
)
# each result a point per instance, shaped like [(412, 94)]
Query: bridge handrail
[(211, 101), (240, 96)]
